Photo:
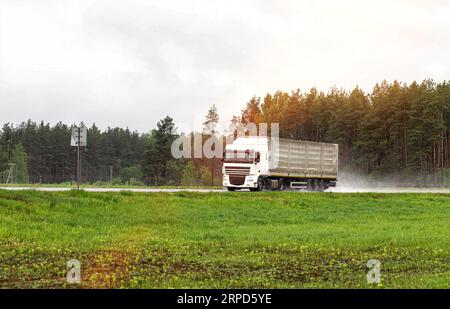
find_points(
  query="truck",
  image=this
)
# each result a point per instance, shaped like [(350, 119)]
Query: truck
[(267, 163)]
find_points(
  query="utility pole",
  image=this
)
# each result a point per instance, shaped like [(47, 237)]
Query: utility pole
[(78, 164), (110, 173), (79, 139)]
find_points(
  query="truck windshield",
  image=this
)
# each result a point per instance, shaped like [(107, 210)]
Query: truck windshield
[(239, 156)]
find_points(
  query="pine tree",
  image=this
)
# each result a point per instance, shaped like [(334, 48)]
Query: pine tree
[(211, 120), (158, 153), (252, 112), (209, 127)]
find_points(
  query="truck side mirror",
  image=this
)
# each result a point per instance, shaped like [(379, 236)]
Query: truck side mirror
[(258, 157)]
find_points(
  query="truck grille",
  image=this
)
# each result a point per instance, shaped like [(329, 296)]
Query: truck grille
[(237, 180), (237, 170)]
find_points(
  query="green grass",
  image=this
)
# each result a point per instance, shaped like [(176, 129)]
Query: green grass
[(224, 240)]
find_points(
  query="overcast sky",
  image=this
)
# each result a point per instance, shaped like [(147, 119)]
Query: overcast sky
[(130, 63)]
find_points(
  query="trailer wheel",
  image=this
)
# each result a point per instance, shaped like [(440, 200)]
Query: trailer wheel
[(310, 185), (320, 186)]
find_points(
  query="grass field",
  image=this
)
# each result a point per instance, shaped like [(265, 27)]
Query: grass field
[(224, 240)]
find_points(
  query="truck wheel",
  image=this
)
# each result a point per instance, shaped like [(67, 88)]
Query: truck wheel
[(231, 189), (281, 185), (259, 185)]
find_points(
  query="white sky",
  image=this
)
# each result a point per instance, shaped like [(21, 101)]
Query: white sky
[(130, 63)]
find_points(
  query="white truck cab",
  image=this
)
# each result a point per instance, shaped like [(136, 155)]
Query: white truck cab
[(244, 162)]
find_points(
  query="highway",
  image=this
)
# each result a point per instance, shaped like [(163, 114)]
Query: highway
[(91, 189), (151, 190)]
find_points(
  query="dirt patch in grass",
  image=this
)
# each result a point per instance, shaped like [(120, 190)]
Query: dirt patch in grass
[(108, 269)]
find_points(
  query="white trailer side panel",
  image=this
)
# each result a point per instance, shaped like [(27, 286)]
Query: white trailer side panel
[(303, 159)]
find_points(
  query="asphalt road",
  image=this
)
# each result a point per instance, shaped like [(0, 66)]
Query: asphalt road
[(55, 189), (337, 189)]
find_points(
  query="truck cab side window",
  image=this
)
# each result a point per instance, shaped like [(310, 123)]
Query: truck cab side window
[(257, 157)]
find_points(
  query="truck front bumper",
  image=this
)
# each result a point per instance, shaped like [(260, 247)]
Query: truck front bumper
[(249, 182)]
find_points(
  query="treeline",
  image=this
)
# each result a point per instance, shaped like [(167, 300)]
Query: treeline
[(41, 153), (398, 131), (51, 159)]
